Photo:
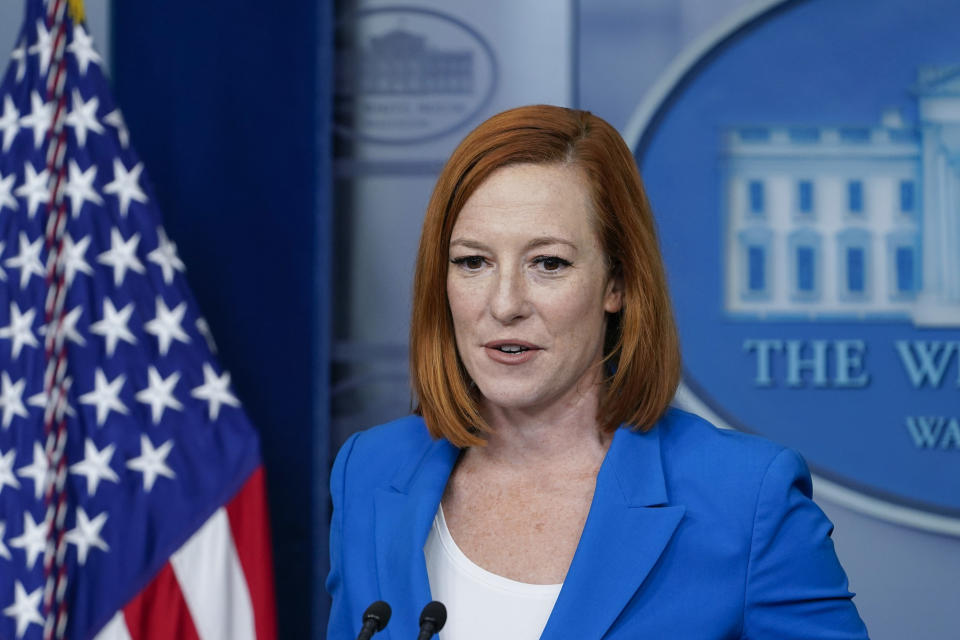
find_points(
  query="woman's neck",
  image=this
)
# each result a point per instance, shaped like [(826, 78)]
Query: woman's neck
[(562, 434)]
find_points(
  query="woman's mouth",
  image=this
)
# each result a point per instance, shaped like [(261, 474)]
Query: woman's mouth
[(510, 351)]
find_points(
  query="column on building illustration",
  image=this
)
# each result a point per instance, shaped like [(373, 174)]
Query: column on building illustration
[(938, 91)]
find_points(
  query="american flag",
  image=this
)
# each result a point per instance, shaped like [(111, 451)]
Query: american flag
[(132, 501)]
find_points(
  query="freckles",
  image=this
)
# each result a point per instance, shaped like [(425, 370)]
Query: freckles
[(466, 299), (575, 299)]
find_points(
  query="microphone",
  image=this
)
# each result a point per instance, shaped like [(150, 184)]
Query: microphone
[(375, 618), (432, 619)]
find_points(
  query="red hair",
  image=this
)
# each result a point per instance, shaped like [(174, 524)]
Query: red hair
[(641, 347)]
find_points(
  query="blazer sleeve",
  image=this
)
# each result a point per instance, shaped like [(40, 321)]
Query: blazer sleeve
[(339, 625), (795, 586)]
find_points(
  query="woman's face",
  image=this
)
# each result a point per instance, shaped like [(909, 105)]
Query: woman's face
[(529, 287)]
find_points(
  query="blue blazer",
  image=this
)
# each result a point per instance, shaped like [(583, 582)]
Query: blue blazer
[(693, 532)]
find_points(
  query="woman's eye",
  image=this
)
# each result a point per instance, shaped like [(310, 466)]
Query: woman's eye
[(471, 263), (551, 263)]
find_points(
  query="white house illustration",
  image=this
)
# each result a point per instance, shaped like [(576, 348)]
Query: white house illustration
[(402, 63), (848, 221)]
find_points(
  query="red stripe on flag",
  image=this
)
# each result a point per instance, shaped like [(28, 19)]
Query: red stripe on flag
[(159, 612), (250, 527)]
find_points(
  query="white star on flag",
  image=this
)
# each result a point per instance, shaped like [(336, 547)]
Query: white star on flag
[(115, 120), (6, 472), (159, 393), (73, 261), (19, 331), (11, 398), (82, 49), (105, 396), (79, 187), (36, 470), (28, 260), (68, 327), (122, 255), (19, 55), (166, 325), (86, 534), (44, 47), (33, 540), (113, 326), (126, 185), (9, 122), (215, 390), (152, 462), (95, 465), (25, 608), (35, 189), (39, 119), (6, 188), (165, 255), (4, 551), (83, 117)]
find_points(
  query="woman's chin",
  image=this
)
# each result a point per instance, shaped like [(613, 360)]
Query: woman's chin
[(511, 398)]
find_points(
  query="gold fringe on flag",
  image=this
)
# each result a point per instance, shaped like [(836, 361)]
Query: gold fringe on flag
[(76, 11)]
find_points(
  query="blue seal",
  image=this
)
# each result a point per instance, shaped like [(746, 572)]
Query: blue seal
[(804, 166)]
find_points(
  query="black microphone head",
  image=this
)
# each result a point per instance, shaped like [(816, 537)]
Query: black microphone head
[(434, 613), (379, 613)]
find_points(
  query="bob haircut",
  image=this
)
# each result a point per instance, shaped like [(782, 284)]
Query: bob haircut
[(641, 350)]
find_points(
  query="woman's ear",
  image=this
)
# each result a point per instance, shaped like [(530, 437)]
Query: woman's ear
[(613, 296)]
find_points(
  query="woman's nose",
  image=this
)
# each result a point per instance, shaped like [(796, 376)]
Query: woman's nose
[(508, 301)]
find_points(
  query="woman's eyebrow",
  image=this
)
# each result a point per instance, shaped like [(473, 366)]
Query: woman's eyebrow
[(548, 240), (542, 241), (469, 244)]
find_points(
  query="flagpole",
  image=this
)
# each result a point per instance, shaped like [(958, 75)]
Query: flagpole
[(56, 382)]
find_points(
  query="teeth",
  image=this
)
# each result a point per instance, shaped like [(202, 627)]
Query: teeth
[(511, 348)]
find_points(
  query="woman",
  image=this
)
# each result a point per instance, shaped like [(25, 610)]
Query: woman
[(545, 489)]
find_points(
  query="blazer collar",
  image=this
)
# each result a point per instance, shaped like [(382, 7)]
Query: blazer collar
[(627, 529), (404, 515)]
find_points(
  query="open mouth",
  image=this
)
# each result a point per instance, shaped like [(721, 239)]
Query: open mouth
[(511, 348), (508, 352)]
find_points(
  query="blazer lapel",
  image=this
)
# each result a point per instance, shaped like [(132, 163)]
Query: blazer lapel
[(627, 529), (404, 514)]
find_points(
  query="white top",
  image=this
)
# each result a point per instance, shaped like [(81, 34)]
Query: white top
[(482, 605)]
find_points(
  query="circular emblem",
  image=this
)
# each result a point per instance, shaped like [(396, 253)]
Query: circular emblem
[(409, 74), (807, 193)]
